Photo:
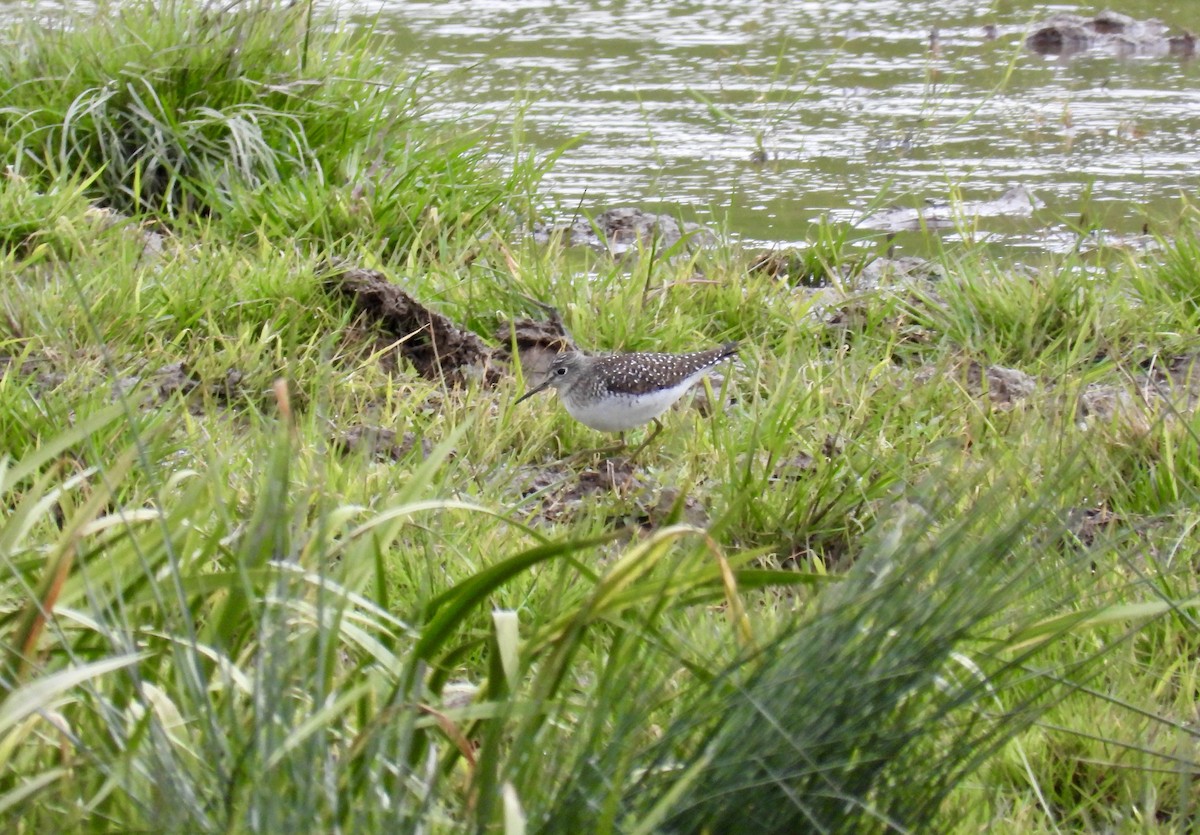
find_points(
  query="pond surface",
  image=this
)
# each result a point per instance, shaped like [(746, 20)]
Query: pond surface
[(767, 117)]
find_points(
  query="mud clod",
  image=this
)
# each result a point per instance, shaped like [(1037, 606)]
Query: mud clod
[(176, 377), (435, 346), (1004, 386), (537, 343)]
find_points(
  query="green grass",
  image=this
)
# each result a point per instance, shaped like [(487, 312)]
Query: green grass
[(870, 593), (195, 113)]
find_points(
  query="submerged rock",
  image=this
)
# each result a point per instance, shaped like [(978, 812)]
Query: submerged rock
[(1068, 34), (940, 214)]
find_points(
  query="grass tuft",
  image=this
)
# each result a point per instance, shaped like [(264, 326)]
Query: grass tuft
[(193, 112)]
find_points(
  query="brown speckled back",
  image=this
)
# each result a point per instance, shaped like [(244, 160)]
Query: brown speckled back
[(643, 372)]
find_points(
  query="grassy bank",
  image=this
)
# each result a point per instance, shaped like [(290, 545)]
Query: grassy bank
[(929, 566)]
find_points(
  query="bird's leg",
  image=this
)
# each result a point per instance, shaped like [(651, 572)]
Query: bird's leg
[(657, 428), (604, 450)]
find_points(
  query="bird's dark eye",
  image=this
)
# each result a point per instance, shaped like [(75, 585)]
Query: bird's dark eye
[(560, 371)]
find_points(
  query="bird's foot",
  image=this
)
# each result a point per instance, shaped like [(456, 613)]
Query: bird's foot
[(604, 451), (657, 428)]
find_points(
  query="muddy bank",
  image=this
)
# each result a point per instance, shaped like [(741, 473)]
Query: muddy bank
[(626, 230)]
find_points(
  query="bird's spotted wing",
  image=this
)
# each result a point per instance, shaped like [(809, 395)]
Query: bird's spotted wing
[(639, 373)]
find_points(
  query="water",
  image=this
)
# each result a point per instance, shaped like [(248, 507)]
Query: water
[(767, 118), (669, 104)]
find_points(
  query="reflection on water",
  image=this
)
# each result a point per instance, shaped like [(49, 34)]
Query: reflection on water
[(770, 115)]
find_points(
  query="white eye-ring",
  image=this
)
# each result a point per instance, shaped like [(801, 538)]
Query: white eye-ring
[(561, 370)]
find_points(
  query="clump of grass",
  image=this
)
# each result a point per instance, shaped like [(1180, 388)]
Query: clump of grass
[(58, 221), (884, 679), (1015, 318), (193, 110), (1168, 286)]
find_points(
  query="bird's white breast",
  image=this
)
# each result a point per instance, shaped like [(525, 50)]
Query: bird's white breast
[(618, 412)]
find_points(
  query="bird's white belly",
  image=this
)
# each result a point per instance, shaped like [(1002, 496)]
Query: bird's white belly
[(616, 413)]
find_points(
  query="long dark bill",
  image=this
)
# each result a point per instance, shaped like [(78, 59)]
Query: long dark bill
[(533, 391)]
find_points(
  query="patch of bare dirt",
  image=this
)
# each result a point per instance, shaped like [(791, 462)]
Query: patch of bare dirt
[(45, 370), (1004, 387), (177, 378), (150, 387), (379, 443), (1167, 386), (564, 492)]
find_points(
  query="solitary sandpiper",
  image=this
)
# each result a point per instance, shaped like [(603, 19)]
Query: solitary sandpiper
[(620, 391)]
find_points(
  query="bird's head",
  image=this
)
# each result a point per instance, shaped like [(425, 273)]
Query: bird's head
[(564, 370)]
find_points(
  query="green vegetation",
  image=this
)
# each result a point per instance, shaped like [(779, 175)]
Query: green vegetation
[(259, 119), (933, 568)]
